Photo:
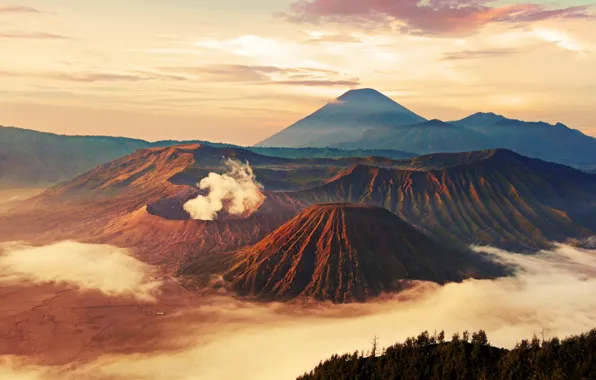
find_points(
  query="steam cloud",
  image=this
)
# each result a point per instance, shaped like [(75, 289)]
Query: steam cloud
[(87, 266), (551, 292), (236, 192)]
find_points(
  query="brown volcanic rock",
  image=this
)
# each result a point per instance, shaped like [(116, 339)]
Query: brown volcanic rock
[(347, 252), (494, 197), (119, 203), (491, 197)]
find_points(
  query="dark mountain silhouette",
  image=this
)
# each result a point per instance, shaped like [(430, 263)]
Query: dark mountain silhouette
[(494, 197), (481, 119), (32, 157), (347, 252), (37, 158), (557, 143), (344, 120), (366, 119), (427, 137), (328, 152)]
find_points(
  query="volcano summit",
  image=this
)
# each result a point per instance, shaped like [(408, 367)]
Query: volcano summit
[(347, 252)]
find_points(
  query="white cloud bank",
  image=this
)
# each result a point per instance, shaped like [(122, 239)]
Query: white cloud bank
[(551, 292), (86, 266)]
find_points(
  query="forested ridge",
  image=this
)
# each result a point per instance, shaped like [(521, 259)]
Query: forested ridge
[(466, 357)]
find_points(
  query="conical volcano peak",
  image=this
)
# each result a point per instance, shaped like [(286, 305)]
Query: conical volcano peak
[(344, 119), (346, 252), (371, 99), (366, 94)]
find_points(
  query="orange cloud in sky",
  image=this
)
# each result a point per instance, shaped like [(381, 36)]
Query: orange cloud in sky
[(195, 72)]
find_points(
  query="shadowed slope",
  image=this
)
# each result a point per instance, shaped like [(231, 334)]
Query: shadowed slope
[(428, 137), (496, 197), (347, 252), (344, 119), (550, 142)]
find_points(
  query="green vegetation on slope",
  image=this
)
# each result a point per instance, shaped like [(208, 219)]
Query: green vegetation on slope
[(466, 357)]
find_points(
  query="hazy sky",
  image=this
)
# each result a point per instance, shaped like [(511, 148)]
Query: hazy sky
[(238, 71)]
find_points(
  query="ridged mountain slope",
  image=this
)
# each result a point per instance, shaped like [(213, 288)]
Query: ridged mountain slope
[(347, 252), (498, 197)]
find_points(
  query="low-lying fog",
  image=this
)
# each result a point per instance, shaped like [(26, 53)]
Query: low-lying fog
[(222, 338), (86, 266)]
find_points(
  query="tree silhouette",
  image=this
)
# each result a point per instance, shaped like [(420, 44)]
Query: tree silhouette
[(573, 358)]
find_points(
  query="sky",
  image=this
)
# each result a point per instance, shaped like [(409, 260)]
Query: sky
[(239, 71)]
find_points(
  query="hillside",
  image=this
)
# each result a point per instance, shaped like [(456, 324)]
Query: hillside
[(428, 137), (494, 197), (137, 201), (557, 143), (467, 357), (345, 253), (343, 120), (489, 197), (328, 152), (32, 158), (121, 203)]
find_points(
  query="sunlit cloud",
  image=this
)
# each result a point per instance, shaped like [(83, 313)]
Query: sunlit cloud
[(18, 9), (167, 51), (33, 35), (433, 17), (333, 38), (297, 76), (474, 54), (561, 39), (248, 45), (94, 76)]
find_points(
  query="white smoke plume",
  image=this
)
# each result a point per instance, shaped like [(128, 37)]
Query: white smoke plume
[(86, 266), (236, 192)]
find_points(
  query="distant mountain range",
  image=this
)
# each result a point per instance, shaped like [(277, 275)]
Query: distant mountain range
[(367, 119), (37, 158), (360, 123)]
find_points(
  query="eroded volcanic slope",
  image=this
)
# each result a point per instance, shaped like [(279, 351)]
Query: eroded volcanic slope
[(489, 197), (137, 202), (493, 197), (111, 204), (347, 252)]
